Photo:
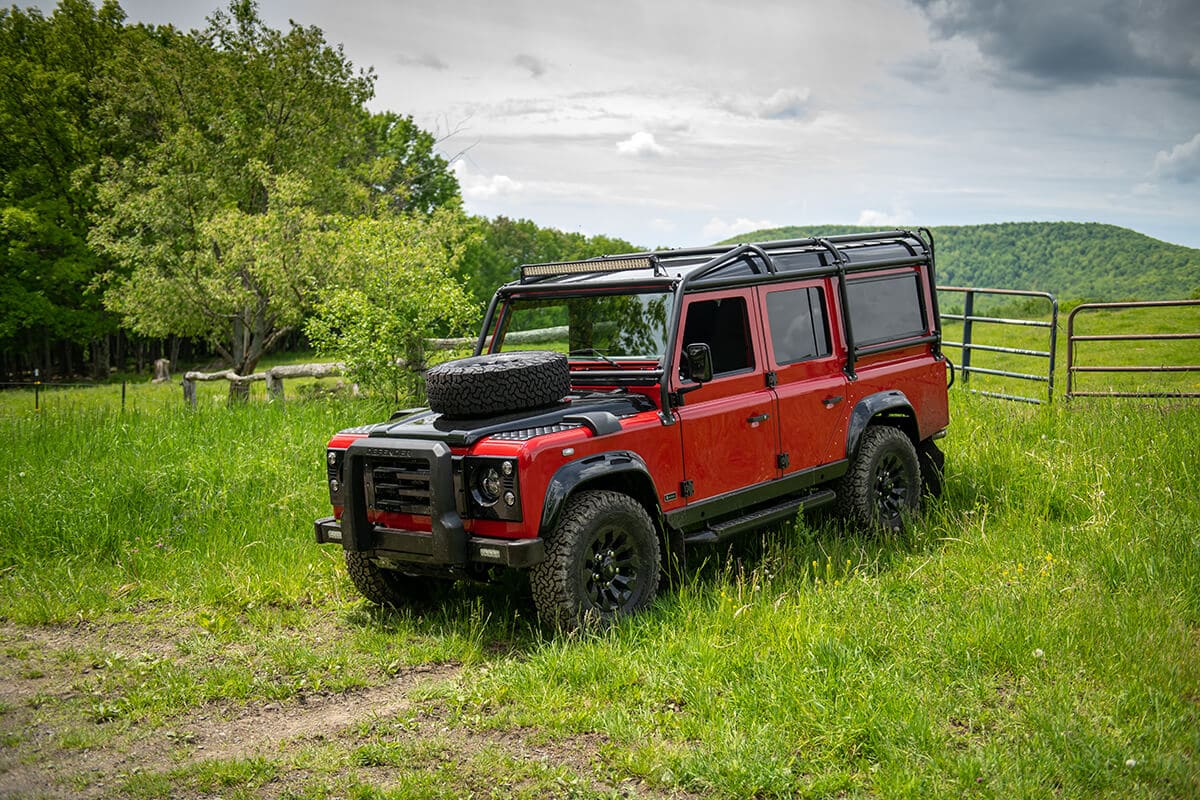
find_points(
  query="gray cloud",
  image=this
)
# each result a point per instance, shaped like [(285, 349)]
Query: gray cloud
[(425, 60), (1181, 164), (1077, 42), (536, 67)]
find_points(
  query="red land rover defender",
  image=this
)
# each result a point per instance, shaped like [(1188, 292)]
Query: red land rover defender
[(622, 409)]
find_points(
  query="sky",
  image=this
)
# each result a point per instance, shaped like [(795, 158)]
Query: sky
[(683, 122)]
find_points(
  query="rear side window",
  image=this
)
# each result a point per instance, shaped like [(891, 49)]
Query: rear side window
[(724, 326), (886, 309), (798, 324)]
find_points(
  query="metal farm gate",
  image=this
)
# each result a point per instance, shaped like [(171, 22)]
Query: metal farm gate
[(968, 344), (1073, 339)]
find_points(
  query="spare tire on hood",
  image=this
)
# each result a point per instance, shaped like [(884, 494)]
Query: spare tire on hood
[(496, 383)]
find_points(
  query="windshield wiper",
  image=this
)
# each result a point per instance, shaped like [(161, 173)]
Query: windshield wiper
[(591, 351)]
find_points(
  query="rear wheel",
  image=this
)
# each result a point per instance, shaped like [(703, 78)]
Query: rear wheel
[(387, 587), (883, 484), (602, 561)]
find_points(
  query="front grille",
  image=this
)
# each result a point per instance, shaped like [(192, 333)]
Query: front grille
[(400, 485)]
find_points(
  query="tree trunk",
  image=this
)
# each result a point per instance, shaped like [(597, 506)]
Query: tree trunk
[(100, 357), (239, 392), (46, 362)]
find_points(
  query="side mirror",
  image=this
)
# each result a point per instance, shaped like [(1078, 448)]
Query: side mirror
[(697, 362)]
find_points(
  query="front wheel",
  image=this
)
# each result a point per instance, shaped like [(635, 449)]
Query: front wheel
[(883, 484), (387, 587), (602, 561)]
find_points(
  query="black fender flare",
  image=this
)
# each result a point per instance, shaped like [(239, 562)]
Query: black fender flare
[(892, 401), (571, 475)]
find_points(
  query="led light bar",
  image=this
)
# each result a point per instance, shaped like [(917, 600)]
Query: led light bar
[(580, 267)]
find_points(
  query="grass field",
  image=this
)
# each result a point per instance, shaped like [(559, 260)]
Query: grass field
[(168, 628)]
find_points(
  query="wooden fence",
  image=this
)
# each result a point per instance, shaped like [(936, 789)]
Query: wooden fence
[(276, 375), (273, 376)]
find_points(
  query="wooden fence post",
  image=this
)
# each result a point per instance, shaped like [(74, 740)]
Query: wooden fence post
[(274, 386)]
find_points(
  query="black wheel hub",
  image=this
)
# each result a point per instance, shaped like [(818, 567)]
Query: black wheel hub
[(611, 570), (891, 487)]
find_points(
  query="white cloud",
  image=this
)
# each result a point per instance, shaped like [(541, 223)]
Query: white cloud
[(718, 229), (483, 187), (1181, 165), (885, 219), (641, 145), (783, 104)]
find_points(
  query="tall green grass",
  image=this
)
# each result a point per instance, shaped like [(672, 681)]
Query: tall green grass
[(104, 510), (1034, 634)]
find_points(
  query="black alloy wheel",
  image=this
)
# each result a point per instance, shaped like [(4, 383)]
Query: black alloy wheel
[(883, 484), (611, 570), (603, 561)]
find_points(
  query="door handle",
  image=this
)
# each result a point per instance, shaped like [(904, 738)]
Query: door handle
[(758, 418), (830, 402)]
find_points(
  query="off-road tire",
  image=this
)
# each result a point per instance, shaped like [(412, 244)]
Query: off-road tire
[(602, 561), (883, 484), (387, 587), (496, 383), (933, 462)]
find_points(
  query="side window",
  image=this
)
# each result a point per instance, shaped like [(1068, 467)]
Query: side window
[(886, 309), (724, 326), (799, 330)]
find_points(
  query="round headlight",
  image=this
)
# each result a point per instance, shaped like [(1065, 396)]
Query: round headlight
[(489, 485)]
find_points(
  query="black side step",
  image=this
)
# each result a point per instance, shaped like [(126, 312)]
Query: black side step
[(720, 531)]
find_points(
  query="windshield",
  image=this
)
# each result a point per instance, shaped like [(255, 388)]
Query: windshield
[(601, 327)]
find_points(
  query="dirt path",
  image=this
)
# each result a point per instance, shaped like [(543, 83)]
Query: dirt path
[(55, 747)]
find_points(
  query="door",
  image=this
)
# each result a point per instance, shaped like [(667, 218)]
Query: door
[(729, 425), (814, 405)]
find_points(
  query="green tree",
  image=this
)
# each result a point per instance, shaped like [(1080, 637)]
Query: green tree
[(502, 245), (50, 142), (251, 283), (396, 284), (402, 170), (207, 214)]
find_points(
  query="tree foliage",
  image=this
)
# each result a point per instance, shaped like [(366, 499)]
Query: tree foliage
[(502, 245), (50, 143), (240, 137), (395, 285), (402, 170)]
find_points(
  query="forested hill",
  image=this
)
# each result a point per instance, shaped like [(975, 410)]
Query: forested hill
[(1073, 260)]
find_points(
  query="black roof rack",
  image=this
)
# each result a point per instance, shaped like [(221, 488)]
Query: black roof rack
[(718, 264)]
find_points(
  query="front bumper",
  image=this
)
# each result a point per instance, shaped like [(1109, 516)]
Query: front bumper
[(418, 547)]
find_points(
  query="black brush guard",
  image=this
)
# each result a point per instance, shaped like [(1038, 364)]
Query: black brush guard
[(447, 544)]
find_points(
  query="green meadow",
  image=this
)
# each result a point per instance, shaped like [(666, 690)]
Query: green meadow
[(169, 628)]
